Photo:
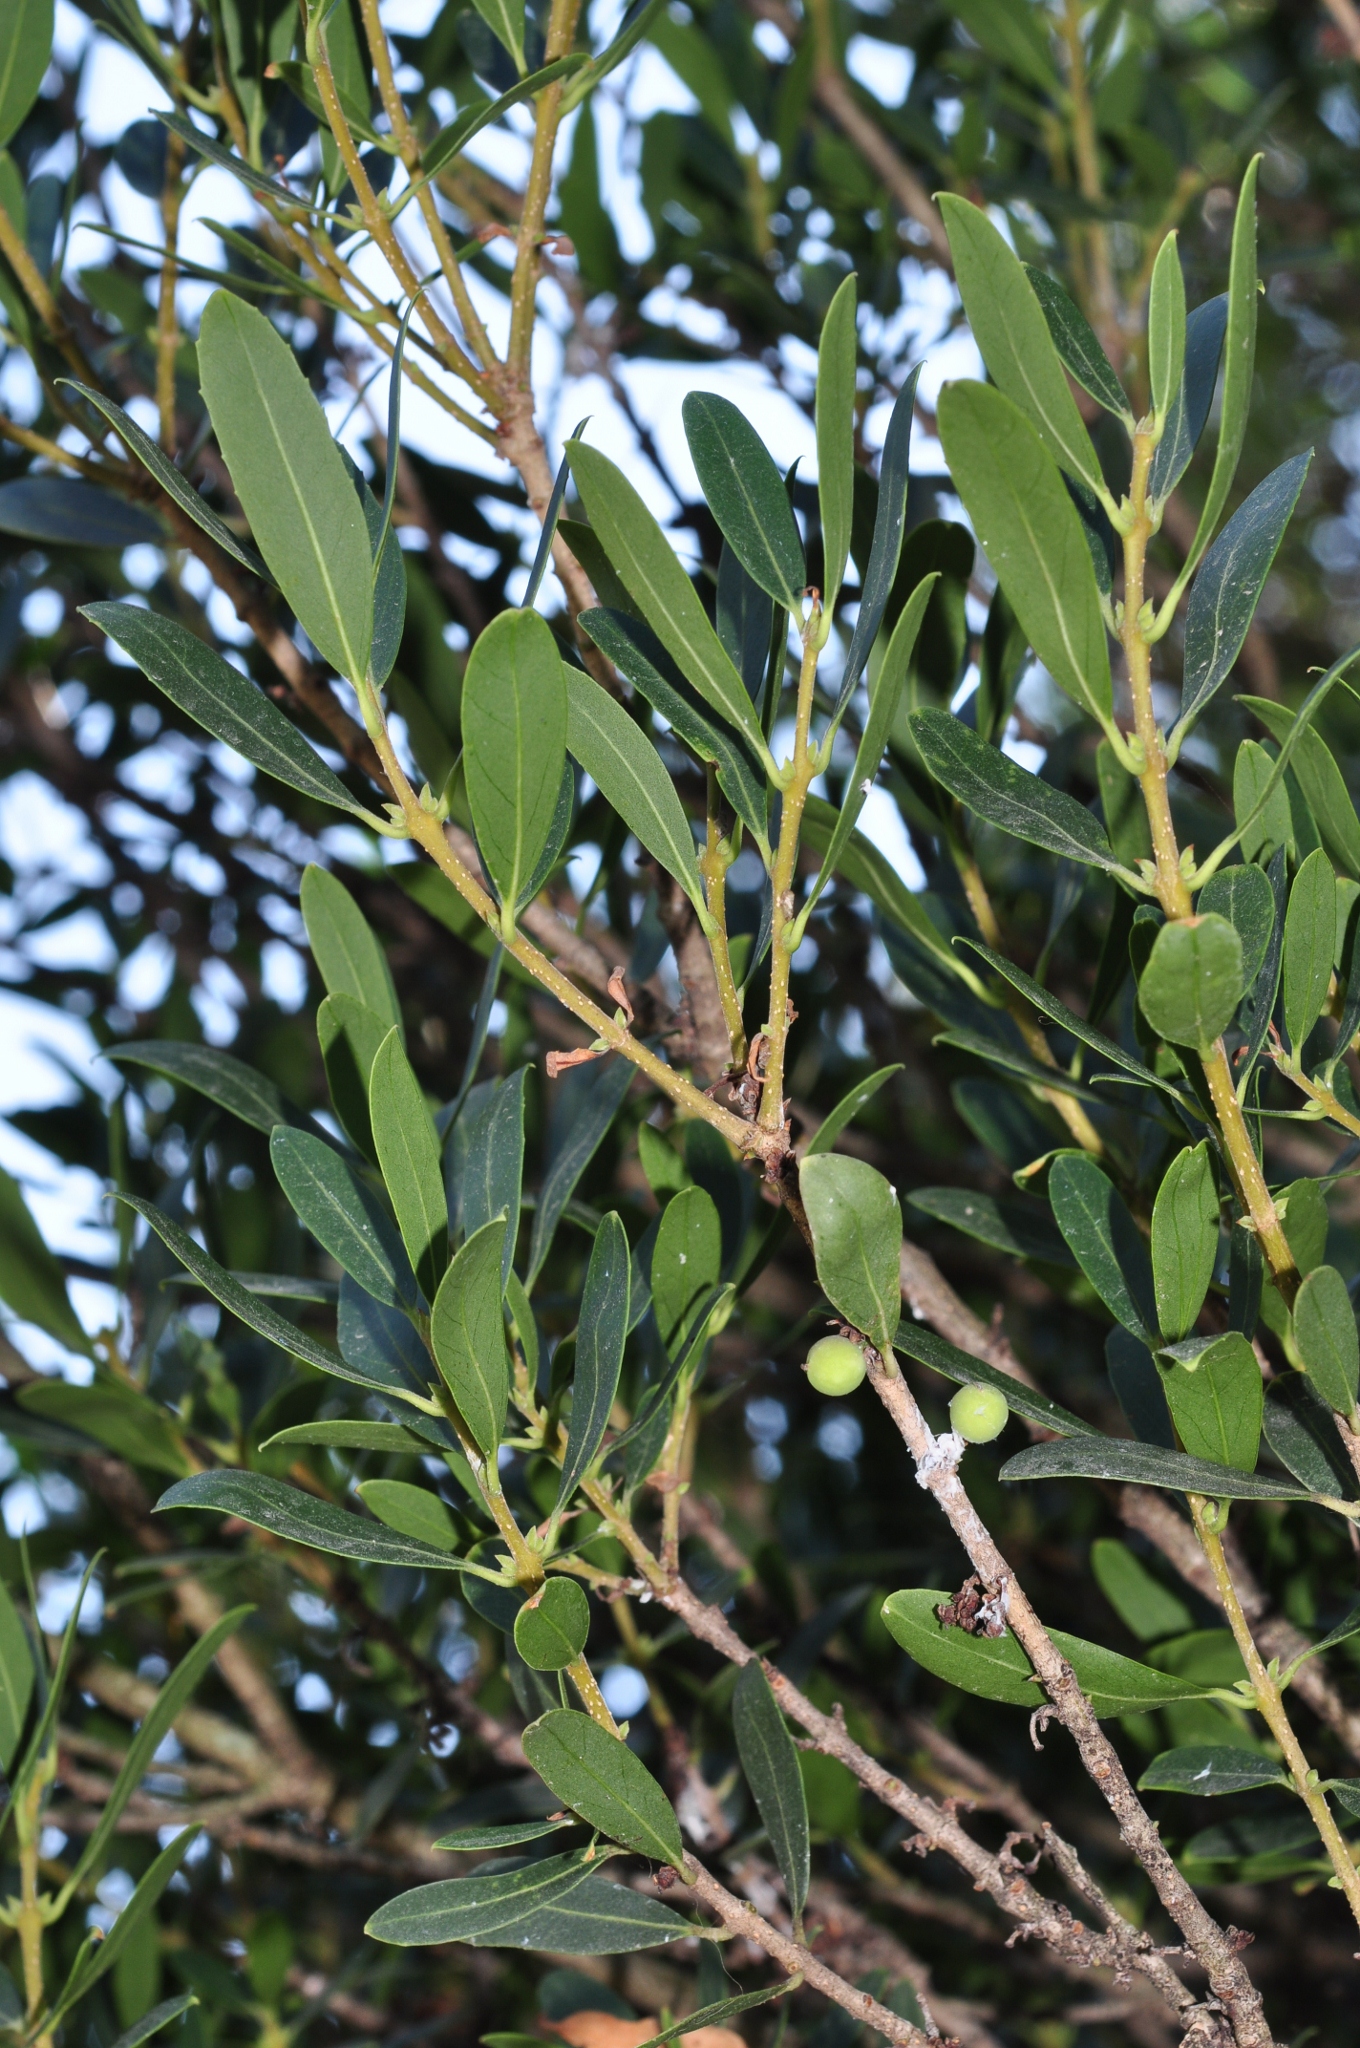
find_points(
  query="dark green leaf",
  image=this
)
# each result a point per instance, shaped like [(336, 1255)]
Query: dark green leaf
[(508, 1836), (745, 620), (467, 1332), (1192, 984), (408, 1153), (412, 1511), (857, 1242), (384, 1350), (343, 1215), (93, 1963), (64, 512), (848, 1108), (600, 1339), (476, 1909), (32, 1283), (493, 1166), (1321, 782), (352, 1436), (1185, 1236), (1146, 1465), (1138, 1388), (290, 478), (122, 1418), (1000, 790), (1049, 1006), (552, 1626), (746, 495), (1094, 1218), (1075, 340), (837, 354), (596, 1918), (159, 2016), (1019, 1226), (1244, 896), (26, 28), (597, 1775), (299, 1518), (218, 697), (348, 956), (597, 1096), (1215, 1396), (771, 1766), (1301, 1430), (16, 1680), (1325, 1332), (1228, 587), (514, 714), (228, 1082), (1185, 423), (1309, 946), (864, 867), (1210, 1769), (885, 549), (349, 1034), (915, 1341), (619, 758)]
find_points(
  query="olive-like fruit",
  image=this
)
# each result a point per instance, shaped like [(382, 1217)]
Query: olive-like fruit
[(835, 1365), (978, 1414)]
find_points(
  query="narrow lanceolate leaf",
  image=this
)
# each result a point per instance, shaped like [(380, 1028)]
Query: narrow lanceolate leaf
[(249, 1309), (1325, 1332), (857, 1242), (1190, 408), (1000, 790), (1184, 1238), (408, 1153), (1209, 1770), (349, 1034), (1244, 896), (653, 577), (507, 1836), (770, 1763), (597, 1775), (505, 19), (219, 698), (885, 549), (836, 357), (467, 1331), (344, 1216), (478, 1909), (1146, 1465), (1225, 593), (348, 956), (1320, 780), (1074, 338), (227, 1081), (159, 2016), (914, 1340), (493, 1168), (865, 867), (599, 1352), (1020, 1225), (170, 479), (299, 1518), (745, 494), (1010, 329), (1033, 536), (16, 1680), (848, 1108), (25, 52), (32, 1283), (1049, 1006), (1104, 1239), (514, 714), (1309, 946), (1215, 1395), (306, 519), (1166, 326), (601, 1093), (617, 755)]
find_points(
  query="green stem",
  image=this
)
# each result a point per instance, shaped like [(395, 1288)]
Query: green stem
[(592, 1699)]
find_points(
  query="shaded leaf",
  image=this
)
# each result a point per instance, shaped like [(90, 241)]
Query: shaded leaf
[(1147, 1608), (413, 1511), (600, 1337), (771, 1767), (1094, 1218), (848, 1108), (299, 1518), (1321, 781), (1019, 1226), (493, 1166), (913, 1340), (408, 1153), (837, 353), (1208, 1770), (1000, 790), (26, 28), (1074, 338), (1146, 1465), (1301, 1430), (349, 1034), (344, 1215), (597, 1775), (885, 549), (32, 1283), (348, 956), (467, 1333), (597, 1097), (745, 494), (225, 1080)]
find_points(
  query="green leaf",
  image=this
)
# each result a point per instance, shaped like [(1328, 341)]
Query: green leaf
[(514, 714), (1009, 32), (1074, 338), (1209, 1770), (837, 354), (1000, 790), (467, 1332), (16, 1680), (352, 1436), (1261, 805), (848, 1108), (1324, 1330), (771, 1767), (1300, 1428), (600, 1337), (126, 1421), (349, 1034), (290, 478), (479, 1909), (597, 1776), (746, 495), (1227, 590), (228, 1082), (32, 1283), (864, 867), (1147, 1608), (996, 1668), (1185, 423), (26, 28), (1137, 1464), (1239, 360), (299, 1517), (1121, 800), (857, 1242), (449, 141), (619, 758), (218, 697), (652, 574), (1215, 1397), (1185, 1236), (171, 480), (552, 1626), (1244, 896), (249, 1309), (505, 19), (1192, 984), (686, 1263), (1068, 1020), (505, 1837), (348, 956), (411, 1510), (493, 1165), (1017, 1225), (1033, 536), (1320, 780), (1010, 329), (65, 512), (408, 1153), (885, 548), (915, 1341), (92, 1963), (639, 656), (1309, 946), (159, 2016), (596, 1918), (596, 1099), (745, 620), (344, 1216), (718, 2014), (1094, 1218), (1166, 326)]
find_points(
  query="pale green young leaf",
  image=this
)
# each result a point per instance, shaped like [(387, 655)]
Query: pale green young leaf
[(836, 360), (1325, 1332), (619, 758), (1215, 1395), (552, 1625), (771, 1767), (1166, 326), (856, 1228), (1033, 536), (348, 956), (1016, 1224), (408, 1153), (914, 1340), (414, 1511), (514, 715), (745, 494), (1193, 981), (988, 782), (291, 480), (126, 1421), (600, 1337), (597, 1775), (1184, 1238), (1309, 946), (467, 1333), (1010, 31), (1147, 1608)]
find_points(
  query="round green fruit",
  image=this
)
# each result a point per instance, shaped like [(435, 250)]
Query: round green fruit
[(835, 1365), (978, 1414)]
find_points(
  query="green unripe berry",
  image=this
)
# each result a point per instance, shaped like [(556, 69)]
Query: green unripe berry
[(835, 1365), (978, 1414)]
